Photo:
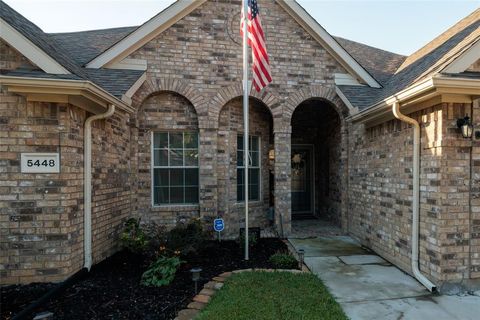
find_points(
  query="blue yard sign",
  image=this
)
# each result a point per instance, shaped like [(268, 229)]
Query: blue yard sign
[(218, 225)]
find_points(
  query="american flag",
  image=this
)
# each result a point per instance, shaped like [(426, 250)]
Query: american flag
[(256, 39)]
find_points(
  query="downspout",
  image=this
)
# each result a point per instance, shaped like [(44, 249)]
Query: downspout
[(416, 196), (87, 187)]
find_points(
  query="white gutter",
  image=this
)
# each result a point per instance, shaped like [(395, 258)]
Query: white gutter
[(87, 187), (416, 196)]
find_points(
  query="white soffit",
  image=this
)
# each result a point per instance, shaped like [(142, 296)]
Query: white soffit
[(145, 33), (30, 50)]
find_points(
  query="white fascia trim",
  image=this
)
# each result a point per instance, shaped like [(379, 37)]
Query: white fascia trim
[(129, 64), (353, 110), (465, 60), (145, 33), (127, 97), (345, 79), (30, 50), (322, 36), (62, 86)]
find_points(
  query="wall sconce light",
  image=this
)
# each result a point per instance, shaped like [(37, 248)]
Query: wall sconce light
[(195, 277), (271, 155), (465, 126), (301, 257)]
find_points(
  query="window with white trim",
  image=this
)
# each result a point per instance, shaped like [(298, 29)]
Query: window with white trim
[(253, 169), (175, 168)]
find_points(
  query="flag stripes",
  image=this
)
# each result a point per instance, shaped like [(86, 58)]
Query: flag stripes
[(256, 40)]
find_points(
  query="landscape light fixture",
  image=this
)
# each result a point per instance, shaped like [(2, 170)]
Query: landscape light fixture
[(465, 126), (195, 277), (301, 257)]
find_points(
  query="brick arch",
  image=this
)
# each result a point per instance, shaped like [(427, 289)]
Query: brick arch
[(226, 94), (154, 86), (315, 92)]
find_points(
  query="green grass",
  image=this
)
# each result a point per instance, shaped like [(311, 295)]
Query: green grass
[(272, 296)]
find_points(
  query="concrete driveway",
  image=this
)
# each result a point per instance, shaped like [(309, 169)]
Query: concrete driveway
[(369, 287)]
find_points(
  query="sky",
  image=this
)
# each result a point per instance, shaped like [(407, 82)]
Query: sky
[(401, 26)]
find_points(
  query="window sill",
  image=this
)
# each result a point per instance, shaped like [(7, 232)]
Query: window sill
[(256, 203), (176, 207)]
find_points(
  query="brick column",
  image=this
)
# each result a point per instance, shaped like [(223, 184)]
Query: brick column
[(475, 196), (208, 172), (283, 196)]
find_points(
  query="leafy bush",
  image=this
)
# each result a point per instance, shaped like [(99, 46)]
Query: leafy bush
[(186, 239), (283, 261), (133, 238), (252, 240), (161, 272)]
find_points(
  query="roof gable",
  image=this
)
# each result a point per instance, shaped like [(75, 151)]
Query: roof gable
[(181, 8)]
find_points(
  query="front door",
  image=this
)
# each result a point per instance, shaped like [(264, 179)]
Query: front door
[(302, 180)]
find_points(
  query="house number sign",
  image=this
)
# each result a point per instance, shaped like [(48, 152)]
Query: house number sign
[(40, 163)]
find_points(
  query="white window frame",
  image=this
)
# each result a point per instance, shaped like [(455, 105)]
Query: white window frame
[(260, 180), (153, 167)]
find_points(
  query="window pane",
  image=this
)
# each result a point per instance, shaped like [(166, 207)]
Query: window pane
[(254, 155), (160, 140), (253, 192), (240, 142), (191, 157), (240, 176), (176, 158), (176, 177), (160, 177), (176, 140), (191, 177), (176, 195), (191, 194), (253, 176), (240, 193), (160, 196), (239, 158), (160, 157), (191, 140), (253, 144)]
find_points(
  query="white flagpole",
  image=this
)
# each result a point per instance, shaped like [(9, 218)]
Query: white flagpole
[(245, 117)]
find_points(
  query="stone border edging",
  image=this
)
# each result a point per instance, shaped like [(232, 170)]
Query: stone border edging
[(210, 288)]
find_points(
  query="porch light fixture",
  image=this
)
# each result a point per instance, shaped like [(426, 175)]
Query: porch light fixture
[(301, 257), (465, 126), (271, 155), (195, 277)]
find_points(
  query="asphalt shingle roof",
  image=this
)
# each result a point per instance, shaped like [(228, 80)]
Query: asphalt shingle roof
[(72, 50), (418, 69), (85, 45)]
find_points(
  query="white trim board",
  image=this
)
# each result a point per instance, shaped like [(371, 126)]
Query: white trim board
[(30, 50), (326, 40), (145, 33), (465, 60)]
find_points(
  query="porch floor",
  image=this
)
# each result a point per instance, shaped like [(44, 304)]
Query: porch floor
[(368, 287), (311, 228)]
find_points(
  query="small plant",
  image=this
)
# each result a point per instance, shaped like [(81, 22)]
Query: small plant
[(252, 239), (161, 272), (186, 239), (133, 238), (283, 261)]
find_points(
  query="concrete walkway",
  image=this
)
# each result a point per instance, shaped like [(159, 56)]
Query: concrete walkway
[(369, 287)]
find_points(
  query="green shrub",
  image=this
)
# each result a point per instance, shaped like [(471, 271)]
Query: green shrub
[(161, 272), (283, 261), (186, 239), (252, 240), (133, 238)]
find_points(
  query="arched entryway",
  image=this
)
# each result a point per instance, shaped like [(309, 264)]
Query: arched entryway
[(316, 162)]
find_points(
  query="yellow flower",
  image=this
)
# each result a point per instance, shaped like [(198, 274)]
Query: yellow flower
[(177, 252)]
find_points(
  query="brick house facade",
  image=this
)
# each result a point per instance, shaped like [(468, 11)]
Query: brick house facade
[(180, 78)]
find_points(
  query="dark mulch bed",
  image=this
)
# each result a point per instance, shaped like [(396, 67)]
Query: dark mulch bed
[(112, 289)]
